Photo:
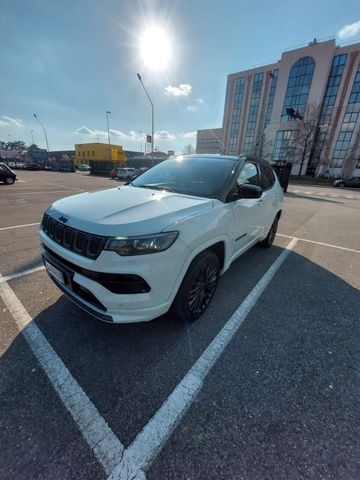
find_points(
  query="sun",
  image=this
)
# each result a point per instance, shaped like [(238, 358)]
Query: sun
[(155, 48)]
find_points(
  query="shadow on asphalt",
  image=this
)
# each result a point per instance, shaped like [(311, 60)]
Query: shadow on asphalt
[(310, 197), (128, 370)]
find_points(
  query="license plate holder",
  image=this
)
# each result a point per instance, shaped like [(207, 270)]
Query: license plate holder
[(55, 272)]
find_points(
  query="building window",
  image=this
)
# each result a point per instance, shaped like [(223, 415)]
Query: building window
[(348, 124), (253, 112), (236, 114), (93, 153), (208, 143), (332, 87), (283, 146), (337, 69), (270, 104), (298, 87)]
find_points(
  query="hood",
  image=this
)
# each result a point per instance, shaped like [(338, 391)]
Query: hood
[(127, 210)]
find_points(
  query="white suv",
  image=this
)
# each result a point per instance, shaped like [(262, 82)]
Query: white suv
[(131, 253)]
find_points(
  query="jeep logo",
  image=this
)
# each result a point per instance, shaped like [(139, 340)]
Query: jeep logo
[(63, 219)]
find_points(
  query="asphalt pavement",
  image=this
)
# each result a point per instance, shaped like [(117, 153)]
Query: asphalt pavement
[(278, 399)]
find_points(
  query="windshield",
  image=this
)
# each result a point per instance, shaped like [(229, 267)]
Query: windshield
[(203, 177)]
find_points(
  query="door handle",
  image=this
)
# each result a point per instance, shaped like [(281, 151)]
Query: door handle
[(260, 202)]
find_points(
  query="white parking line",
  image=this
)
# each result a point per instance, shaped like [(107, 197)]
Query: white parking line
[(67, 187), (105, 445), (21, 274), (20, 226), (319, 243), (40, 192), (141, 453)]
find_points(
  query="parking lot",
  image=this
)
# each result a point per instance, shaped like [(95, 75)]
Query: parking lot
[(264, 386)]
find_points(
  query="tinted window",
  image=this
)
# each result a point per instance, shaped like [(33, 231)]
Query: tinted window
[(267, 177), (249, 174), (204, 176)]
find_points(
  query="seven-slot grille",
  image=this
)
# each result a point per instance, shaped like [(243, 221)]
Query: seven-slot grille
[(85, 244)]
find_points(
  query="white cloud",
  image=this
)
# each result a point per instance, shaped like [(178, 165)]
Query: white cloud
[(183, 90), (348, 31), (117, 133), (189, 134), (192, 108), (164, 135), (200, 100), (8, 121), (91, 133)]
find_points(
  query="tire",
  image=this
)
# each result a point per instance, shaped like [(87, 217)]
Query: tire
[(268, 241), (341, 184), (9, 180), (197, 288)]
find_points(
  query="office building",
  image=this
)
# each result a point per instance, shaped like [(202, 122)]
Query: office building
[(313, 89)]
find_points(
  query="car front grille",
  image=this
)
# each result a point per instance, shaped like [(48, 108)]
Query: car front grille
[(82, 243), (120, 283)]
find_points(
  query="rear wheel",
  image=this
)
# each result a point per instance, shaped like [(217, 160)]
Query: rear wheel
[(268, 241), (198, 287), (9, 180)]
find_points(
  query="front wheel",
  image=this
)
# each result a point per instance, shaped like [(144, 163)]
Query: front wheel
[(341, 184), (197, 288), (9, 180), (268, 241)]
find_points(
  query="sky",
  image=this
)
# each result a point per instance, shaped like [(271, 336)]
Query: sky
[(71, 61)]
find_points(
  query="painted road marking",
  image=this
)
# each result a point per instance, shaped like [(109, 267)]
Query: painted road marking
[(319, 243), (40, 192), (20, 226), (105, 445), (21, 274), (148, 443)]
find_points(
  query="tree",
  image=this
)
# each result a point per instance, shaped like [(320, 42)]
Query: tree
[(302, 142), (188, 149)]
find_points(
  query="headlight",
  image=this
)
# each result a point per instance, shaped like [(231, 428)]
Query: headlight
[(142, 244)]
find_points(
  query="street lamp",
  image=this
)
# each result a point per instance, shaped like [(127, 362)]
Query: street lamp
[(107, 122), (32, 136), (152, 119), (46, 139)]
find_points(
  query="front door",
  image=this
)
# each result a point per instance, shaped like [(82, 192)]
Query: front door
[(249, 219)]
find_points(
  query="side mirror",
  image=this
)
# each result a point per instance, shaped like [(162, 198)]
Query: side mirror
[(246, 191)]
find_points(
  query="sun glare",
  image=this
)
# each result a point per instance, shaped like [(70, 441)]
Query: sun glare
[(155, 48)]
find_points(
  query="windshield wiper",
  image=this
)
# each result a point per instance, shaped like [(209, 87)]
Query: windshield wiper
[(156, 187)]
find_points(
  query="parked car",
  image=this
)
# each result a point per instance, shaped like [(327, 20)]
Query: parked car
[(123, 173), (130, 254), (6, 174), (84, 168), (347, 182), (33, 166)]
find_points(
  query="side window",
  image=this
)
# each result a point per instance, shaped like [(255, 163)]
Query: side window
[(267, 177), (249, 174), (2, 169)]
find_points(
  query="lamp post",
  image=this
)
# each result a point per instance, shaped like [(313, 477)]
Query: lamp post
[(32, 136), (46, 139), (107, 122), (152, 119)]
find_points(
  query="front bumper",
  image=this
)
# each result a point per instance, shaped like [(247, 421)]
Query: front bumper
[(160, 271)]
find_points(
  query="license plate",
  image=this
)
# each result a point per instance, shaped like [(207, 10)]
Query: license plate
[(54, 272)]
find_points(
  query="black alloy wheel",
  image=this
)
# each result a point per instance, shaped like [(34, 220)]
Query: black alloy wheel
[(198, 287)]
